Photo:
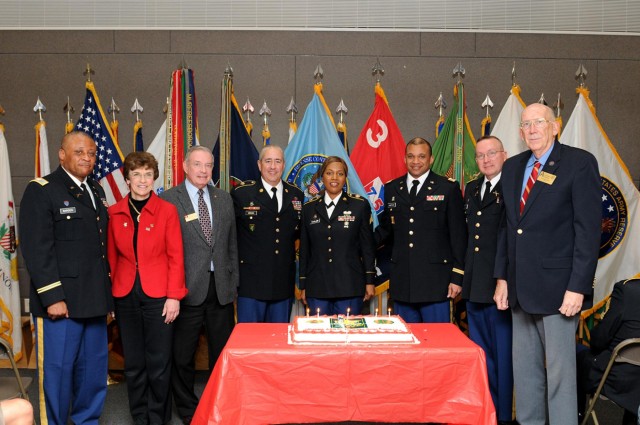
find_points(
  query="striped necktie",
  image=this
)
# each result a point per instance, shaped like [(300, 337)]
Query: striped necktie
[(532, 179)]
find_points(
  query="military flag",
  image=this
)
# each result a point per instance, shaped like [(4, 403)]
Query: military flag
[(42, 165), (315, 140), (620, 240), (182, 125), (108, 168), (242, 157), (507, 126), (378, 156), (454, 149), (10, 310)]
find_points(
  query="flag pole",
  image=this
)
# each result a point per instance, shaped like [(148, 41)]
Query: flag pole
[(225, 128), (248, 109), (487, 104), (137, 109), (68, 110), (440, 105)]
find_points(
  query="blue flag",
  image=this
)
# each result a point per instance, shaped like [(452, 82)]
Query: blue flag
[(315, 140), (243, 156)]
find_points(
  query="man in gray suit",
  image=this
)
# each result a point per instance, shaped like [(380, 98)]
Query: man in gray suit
[(211, 269)]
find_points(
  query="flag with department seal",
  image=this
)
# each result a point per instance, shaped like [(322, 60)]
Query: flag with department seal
[(315, 140), (10, 310), (620, 229)]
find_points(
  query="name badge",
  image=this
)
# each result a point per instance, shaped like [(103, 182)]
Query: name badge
[(250, 212), (191, 217), (69, 210), (547, 178)]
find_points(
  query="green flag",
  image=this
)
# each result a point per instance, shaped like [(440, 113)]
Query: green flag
[(455, 148)]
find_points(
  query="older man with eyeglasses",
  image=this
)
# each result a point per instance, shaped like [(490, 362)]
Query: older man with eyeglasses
[(545, 264)]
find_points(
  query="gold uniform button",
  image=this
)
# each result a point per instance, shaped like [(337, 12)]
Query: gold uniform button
[(277, 230), (329, 238), (477, 224), (277, 240), (330, 260), (68, 217), (435, 209), (476, 249), (477, 237), (479, 213), (241, 261), (329, 249), (410, 220), (97, 218), (411, 245), (445, 261), (329, 226), (277, 218), (411, 232), (412, 208), (519, 231)]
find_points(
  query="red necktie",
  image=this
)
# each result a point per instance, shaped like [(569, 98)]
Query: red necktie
[(532, 179)]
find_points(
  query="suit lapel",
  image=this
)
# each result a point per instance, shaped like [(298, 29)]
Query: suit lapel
[(321, 209), (517, 188), (217, 215), (492, 197)]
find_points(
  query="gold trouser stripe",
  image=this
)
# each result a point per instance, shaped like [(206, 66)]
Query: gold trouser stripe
[(49, 287), (458, 271), (40, 360)]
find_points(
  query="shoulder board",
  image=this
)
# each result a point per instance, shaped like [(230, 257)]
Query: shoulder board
[(629, 280), (355, 196), (247, 183), (41, 181), (317, 198), (451, 179), (291, 185)]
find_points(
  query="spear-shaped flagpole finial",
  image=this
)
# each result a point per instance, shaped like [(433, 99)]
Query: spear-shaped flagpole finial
[(487, 104), (68, 109), (265, 113), (513, 75), (581, 75), (137, 109), (377, 71), (342, 110), (292, 110), (248, 108), (542, 100), (88, 72), (165, 108), (228, 71), (113, 109), (459, 72), (440, 105), (39, 108), (558, 106), (318, 74)]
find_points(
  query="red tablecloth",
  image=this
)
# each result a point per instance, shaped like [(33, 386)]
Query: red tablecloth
[(260, 379)]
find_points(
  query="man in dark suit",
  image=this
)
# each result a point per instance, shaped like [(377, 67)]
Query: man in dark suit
[(622, 321), (424, 222), (489, 327), (268, 224), (547, 254), (63, 219), (211, 270)]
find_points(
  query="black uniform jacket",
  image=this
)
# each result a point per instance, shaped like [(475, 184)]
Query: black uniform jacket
[(483, 221), (429, 238), (266, 240), (64, 244), (337, 255), (621, 322)]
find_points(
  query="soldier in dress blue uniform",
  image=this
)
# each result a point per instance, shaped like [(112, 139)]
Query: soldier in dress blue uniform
[(489, 327), (424, 221), (64, 235), (268, 223), (337, 252)]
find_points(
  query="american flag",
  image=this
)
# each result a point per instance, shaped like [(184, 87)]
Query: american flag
[(108, 168)]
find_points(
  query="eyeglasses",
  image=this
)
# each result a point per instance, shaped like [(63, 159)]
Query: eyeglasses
[(537, 123), (489, 155)]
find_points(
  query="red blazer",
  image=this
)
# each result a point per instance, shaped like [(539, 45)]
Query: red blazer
[(160, 254)]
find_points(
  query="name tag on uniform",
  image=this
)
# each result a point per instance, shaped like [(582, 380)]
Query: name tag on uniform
[(191, 217), (435, 198), (250, 212), (68, 210), (547, 178), (391, 205)]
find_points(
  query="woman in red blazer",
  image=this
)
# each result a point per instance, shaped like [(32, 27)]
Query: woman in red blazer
[(147, 272)]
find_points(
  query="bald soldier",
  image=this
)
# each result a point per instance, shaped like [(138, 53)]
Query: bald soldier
[(63, 219)]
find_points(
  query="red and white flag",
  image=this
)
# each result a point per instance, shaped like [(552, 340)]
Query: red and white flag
[(378, 156)]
